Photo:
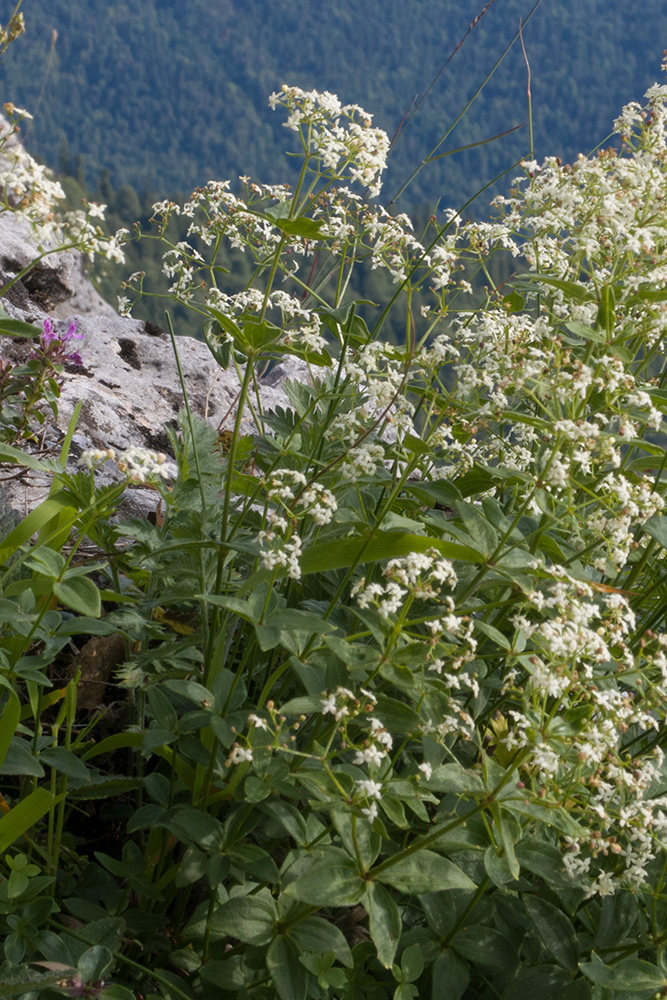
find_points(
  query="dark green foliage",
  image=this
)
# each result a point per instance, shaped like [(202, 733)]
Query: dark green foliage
[(168, 95)]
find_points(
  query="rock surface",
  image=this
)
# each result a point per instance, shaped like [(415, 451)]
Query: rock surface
[(129, 384)]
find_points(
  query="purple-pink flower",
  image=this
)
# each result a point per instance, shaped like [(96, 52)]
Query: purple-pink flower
[(55, 347)]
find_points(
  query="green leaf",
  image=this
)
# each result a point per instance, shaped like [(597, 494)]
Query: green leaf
[(302, 706), (485, 946), (481, 532), (94, 963), (17, 980), (16, 328), (87, 626), (9, 721), (454, 778), (383, 545), (581, 330), (656, 527), (289, 976), (540, 982), (450, 976), (384, 922), (628, 976), (545, 860), (227, 324), (606, 317), (259, 334), (80, 594), (573, 290), (45, 560), (19, 759), (577, 990), (514, 302), (249, 919), (332, 881), (11, 454), (497, 868), (116, 742), (396, 716), (556, 931), (412, 963), (103, 788), (255, 862), (308, 229), (318, 935), (24, 815), (424, 871), (66, 762)]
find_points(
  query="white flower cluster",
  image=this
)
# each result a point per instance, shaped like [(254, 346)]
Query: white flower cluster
[(310, 499), (139, 464), (30, 192), (422, 575), (340, 136)]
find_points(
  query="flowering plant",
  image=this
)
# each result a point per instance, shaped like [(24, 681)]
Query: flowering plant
[(398, 665)]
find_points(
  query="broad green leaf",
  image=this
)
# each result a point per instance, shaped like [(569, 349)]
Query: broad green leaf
[(16, 328), (87, 626), (162, 709), (19, 759), (628, 976), (10, 454), (289, 818), (94, 963), (20, 979), (115, 742), (555, 929), (308, 229), (412, 963), (318, 935), (332, 881), (606, 317), (578, 990), (34, 522), (497, 868), (424, 871), (80, 594), (450, 977), (289, 976), (572, 290), (11, 716), (454, 778), (492, 633), (249, 919), (396, 716), (302, 706), (227, 324), (587, 332), (485, 946), (66, 762), (656, 527), (45, 560), (103, 788), (539, 982), (514, 302), (384, 545), (483, 534), (384, 922), (255, 862), (545, 860), (24, 815), (259, 334)]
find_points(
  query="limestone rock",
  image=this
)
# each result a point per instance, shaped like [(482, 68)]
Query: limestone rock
[(129, 383)]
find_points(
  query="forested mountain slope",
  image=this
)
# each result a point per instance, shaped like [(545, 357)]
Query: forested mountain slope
[(168, 94)]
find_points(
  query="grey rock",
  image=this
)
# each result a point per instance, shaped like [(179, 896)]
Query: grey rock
[(129, 384)]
